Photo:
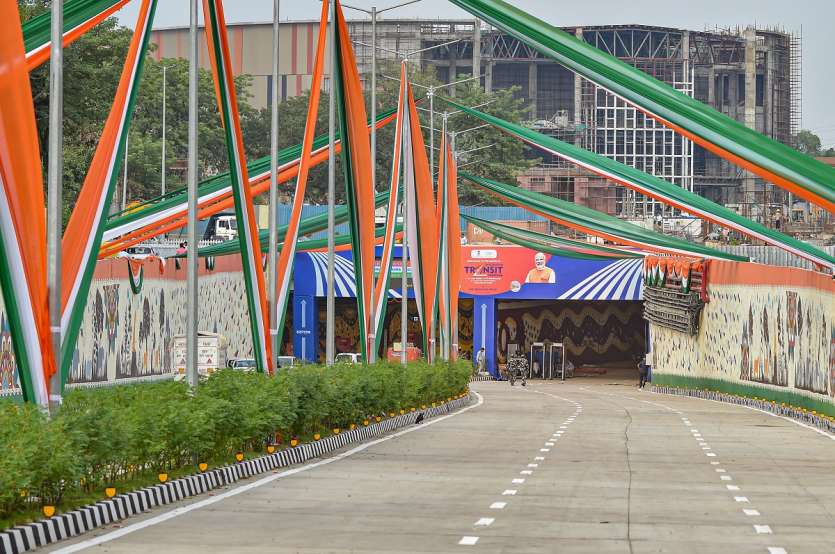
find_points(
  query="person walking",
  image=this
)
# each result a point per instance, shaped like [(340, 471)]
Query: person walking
[(643, 370)]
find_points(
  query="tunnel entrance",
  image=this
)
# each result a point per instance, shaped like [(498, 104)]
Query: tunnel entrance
[(597, 336)]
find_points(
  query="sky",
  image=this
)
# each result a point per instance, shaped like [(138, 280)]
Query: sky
[(815, 19)]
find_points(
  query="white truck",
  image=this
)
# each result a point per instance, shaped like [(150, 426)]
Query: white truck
[(211, 354), (222, 226)]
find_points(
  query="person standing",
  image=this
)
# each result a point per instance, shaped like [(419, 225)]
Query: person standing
[(481, 361), (643, 370)]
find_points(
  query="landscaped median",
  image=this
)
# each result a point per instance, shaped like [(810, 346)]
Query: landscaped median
[(109, 441)]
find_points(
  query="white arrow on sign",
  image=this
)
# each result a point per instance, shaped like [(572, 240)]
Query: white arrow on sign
[(304, 314)]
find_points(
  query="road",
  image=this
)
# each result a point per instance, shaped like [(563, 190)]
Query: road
[(590, 465)]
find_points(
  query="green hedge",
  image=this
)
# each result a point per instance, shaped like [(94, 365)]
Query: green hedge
[(124, 436)]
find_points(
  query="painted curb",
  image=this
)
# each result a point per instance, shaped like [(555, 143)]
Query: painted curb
[(27, 537), (799, 414)]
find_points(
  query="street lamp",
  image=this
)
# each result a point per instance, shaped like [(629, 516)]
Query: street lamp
[(272, 254)]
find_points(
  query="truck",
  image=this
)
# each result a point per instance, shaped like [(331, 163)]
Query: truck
[(211, 354), (222, 226)]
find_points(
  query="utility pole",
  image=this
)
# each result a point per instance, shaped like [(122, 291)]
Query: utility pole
[(125, 177), (192, 312), (272, 254), (330, 338), (55, 176)]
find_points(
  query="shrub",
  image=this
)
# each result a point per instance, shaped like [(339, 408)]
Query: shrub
[(114, 434)]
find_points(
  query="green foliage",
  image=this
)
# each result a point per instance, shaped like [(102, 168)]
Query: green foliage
[(125, 435), (810, 143)]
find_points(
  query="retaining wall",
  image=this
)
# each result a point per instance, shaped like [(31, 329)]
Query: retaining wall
[(765, 331)]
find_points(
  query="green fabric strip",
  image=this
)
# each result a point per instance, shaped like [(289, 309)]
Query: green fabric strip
[(77, 315), (657, 97), (649, 184), (595, 220), (547, 243), (37, 31)]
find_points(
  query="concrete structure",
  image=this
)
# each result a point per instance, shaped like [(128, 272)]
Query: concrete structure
[(750, 75), (590, 465)]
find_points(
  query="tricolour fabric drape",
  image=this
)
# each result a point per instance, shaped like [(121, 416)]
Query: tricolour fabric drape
[(288, 254), (382, 284), (421, 221), (79, 17), (718, 133), (356, 166), (593, 222), (22, 217), (658, 189), (256, 290), (83, 235)]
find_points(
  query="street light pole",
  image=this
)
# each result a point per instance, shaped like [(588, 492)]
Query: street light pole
[(371, 348), (55, 175), (272, 254), (404, 251), (191, 298), (163, 129), (330, 339)]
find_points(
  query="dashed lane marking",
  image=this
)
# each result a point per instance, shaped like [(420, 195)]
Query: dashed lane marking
[(762, 529), (484, 522), (468, 541), (498, 505), (509, 492), (750, 512), (741, 498), (518, 481)]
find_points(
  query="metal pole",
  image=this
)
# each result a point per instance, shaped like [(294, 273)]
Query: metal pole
[(162, 188), (371, 348), (55, 174), (272, 293), (191, 297), (404, 288), (330, 339), (125, 178), (431, 94)]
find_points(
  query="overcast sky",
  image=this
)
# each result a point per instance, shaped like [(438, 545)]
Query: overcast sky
[(815, 18)]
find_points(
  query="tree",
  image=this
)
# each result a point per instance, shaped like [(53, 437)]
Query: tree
[(808, 143)]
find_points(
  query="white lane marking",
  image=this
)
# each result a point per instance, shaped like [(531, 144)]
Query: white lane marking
[(539, 458), (484, 522), (732, 487), (694, 431), (518, 481), (720, 470), (706, 448), (563, 427), (498, 505), (725, 477), (777, 550), (711, 454), (526, 472), (750, 512), (549, 444), (544, 449), (533, 465), (741, 498), (688, 423), (509, 492), (714, 463), (762, 529), (468, 541), (255, 484), (790, 420)]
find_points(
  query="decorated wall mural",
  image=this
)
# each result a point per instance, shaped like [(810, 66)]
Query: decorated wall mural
[(592, 332), (126, 335), (767, 325)]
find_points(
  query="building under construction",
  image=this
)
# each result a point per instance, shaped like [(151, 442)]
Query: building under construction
[(752, 75)]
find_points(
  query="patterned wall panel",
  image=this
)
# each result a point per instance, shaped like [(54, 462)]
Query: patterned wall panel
[(776, 329)]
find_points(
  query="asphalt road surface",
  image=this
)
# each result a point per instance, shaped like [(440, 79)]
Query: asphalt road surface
[(588, 465)]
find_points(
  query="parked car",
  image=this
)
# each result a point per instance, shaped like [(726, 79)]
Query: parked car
[(348, 358), (242, 364), (287, 361), (137, 252)]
